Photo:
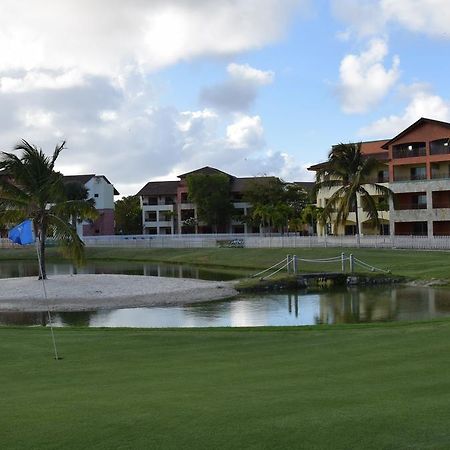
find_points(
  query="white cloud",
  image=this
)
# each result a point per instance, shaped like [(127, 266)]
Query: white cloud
[(78, 70), (371, 17), (101, 37), (246, 132), (238, 93), (244, 72), (35, 80), (108, 115), (365, 18), (364, 80), (422, 104), (37, 118)]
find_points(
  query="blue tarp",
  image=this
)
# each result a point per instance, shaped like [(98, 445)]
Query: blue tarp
[(23, 233)]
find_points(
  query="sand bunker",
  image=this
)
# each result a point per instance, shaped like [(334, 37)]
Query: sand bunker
[(90, 292)]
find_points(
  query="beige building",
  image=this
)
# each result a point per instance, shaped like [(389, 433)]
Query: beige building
[(417, 170)]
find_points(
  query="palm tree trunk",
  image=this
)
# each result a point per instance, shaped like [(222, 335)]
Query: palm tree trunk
[(41, 252), (358, 241), (74, 226)]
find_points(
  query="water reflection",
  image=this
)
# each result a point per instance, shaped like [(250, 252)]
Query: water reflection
[(14, 269), (350, 305)]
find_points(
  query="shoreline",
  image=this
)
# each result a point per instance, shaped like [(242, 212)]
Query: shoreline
[(87, 292)]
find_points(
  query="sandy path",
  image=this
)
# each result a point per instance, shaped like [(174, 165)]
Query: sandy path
[(89, 292)]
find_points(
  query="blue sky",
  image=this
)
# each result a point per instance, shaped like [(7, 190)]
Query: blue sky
[(147, 90)]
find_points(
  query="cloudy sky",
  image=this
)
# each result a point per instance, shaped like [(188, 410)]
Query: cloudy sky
[(147, 89)]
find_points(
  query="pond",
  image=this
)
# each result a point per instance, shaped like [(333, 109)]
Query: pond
[(338, 305), (13, 269)]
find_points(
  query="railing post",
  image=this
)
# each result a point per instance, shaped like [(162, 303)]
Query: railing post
[(288, 263), (352, 263), (342, 262), (295, 264)]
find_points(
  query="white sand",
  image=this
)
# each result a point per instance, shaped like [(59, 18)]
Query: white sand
[(89, 292)]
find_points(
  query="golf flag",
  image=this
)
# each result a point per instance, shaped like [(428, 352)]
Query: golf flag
[(23, 233)]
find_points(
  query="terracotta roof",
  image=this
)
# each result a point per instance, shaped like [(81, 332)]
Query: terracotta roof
[(420, 122), (207, 170), (159, 188), (240, 184), (370, 147), (374, 149)]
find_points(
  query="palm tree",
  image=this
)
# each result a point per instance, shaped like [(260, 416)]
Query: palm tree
[(32, 189), (350, 173), (75, 190)]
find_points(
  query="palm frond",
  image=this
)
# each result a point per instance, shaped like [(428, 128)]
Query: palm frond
[(67, 237)]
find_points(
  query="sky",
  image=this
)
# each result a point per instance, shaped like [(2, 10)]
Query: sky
[(147, 90)]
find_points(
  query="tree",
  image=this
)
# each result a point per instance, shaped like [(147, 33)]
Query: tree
[(211, 194), (128, 215), (274, 202), (75, 190), (34, 190), (349, 172)]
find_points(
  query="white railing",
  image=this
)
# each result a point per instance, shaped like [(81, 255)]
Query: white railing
[(260, 241)]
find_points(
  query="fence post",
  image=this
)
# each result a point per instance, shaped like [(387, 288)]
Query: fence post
[(352, 263), (295, 264), (343, 262), (288, 263)]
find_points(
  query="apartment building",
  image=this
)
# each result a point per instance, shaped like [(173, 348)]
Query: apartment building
[(166, 208), (101, 190), (416, 167)]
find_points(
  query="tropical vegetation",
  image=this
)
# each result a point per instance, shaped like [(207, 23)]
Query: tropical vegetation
[(31, 188), (276, 205), (128, 215), (211, 194), (348, 174)]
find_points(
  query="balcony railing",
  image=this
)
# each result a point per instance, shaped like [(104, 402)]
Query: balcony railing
[(384, 179), (406, 153), (441, 204), (416, 177), (406, 206), (440, 175)]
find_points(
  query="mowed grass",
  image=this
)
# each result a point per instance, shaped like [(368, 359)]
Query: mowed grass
[(408, 263), (342, 387)]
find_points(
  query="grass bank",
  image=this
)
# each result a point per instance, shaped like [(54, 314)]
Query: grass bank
[(412, 264), (341, 387)]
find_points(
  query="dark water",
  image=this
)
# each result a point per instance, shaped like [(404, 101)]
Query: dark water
[(13, 269)]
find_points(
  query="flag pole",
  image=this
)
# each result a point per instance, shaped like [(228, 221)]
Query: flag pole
[(41, 275)]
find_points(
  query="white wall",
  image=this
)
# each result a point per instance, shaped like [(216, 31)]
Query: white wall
[(104, 190)]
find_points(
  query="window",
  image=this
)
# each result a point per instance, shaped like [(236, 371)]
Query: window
[(418, 173), (150, 216), (96, 195), (440, 147), (383, 176), (409, 150)]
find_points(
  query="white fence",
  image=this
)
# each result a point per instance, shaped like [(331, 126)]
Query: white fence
[(275, 241), (260, 241)]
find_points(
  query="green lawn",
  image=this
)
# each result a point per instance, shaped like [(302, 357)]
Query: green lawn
[(343, 387), (408, 263)]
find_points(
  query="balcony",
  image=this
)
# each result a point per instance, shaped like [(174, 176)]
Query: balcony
[(410, 201), (410, 177), (411, 150), (441, 199), (406, 206), (440, 147)]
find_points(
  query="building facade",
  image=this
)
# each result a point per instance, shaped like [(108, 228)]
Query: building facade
[(102, 192), (416, 167), (166, 208)]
